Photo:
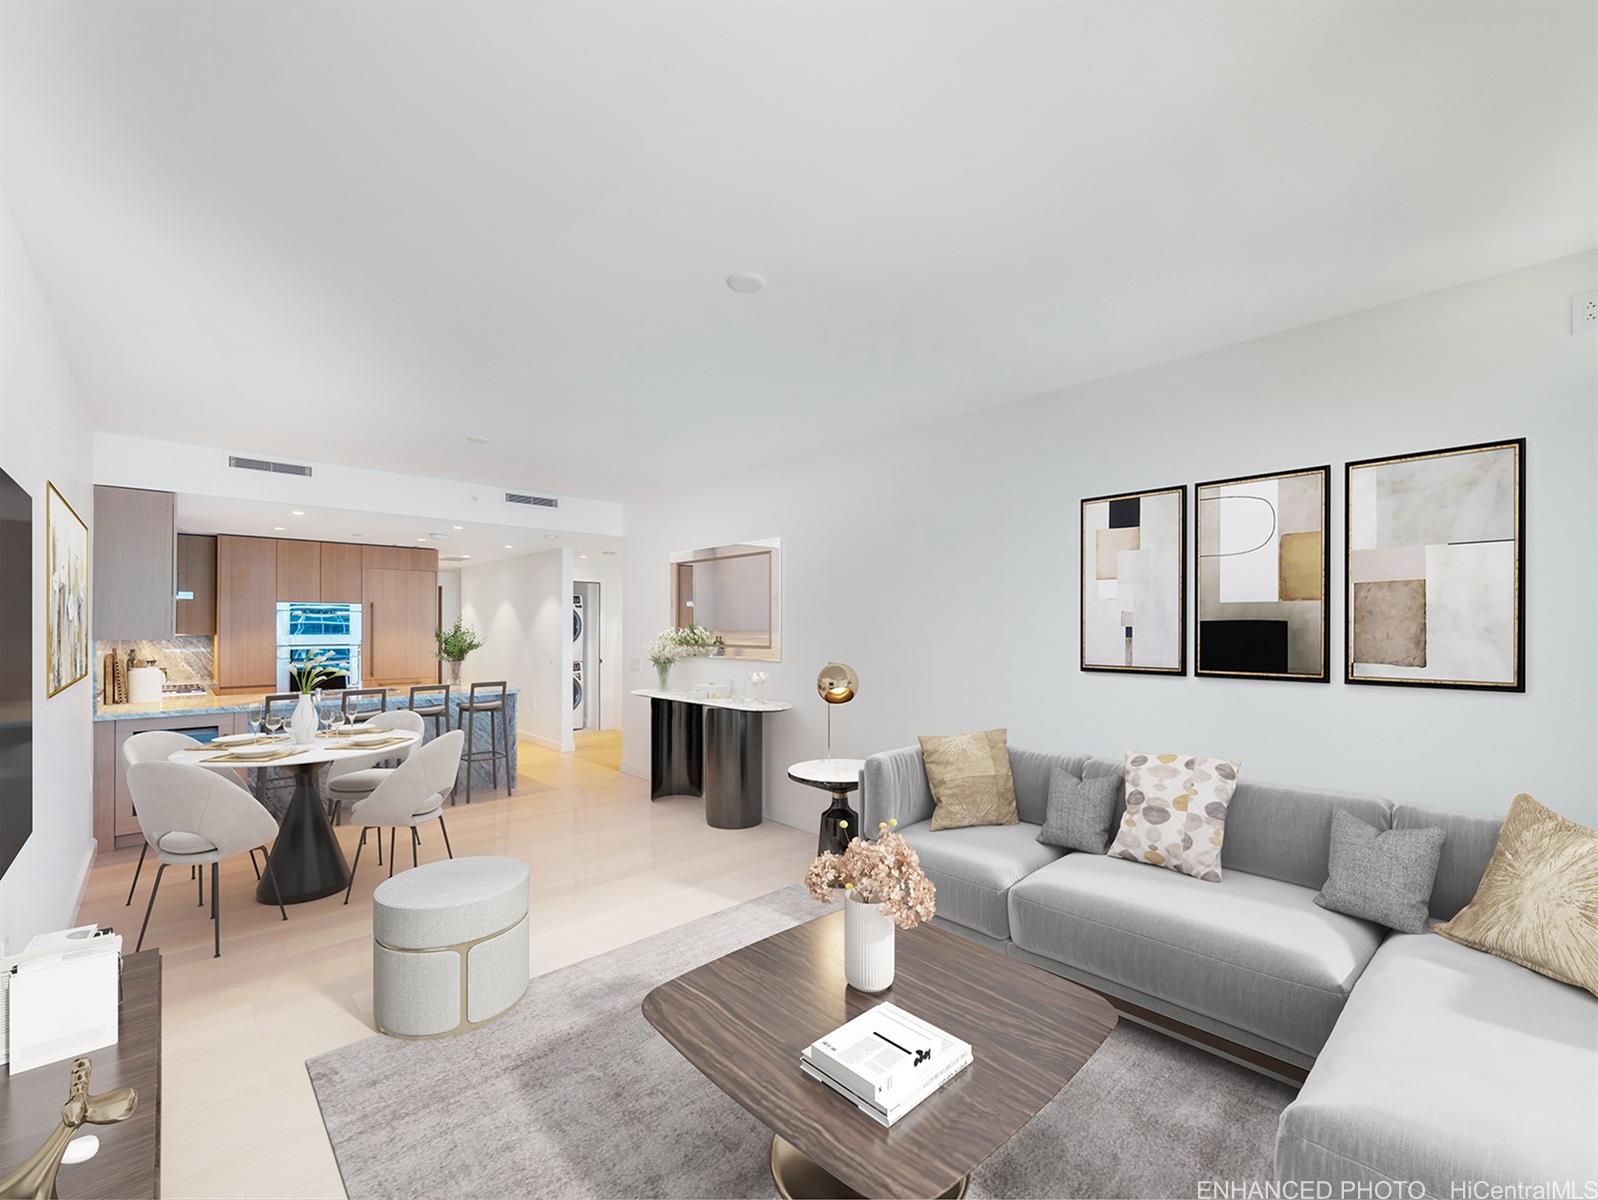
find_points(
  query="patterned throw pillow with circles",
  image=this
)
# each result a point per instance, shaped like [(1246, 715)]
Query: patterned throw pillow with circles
[(1176, 812)]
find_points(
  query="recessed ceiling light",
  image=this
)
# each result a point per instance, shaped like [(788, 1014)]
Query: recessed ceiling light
[(510, 547), (421, 539), (477, 439), (610, 554), (299, 512), (582, 556), (746, 282), (460, 527), (466, 556), (277, 529)]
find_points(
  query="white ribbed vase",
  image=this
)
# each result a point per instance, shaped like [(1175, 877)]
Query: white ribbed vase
[(302, 724), (867, 947)]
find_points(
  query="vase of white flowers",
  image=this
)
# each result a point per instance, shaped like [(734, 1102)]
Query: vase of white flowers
[(308, 678), (671, 644)]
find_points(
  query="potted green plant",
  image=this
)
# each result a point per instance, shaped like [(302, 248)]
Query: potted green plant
[(454, 644)]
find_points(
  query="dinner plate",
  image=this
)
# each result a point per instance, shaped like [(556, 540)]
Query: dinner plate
[(255, 751), (371, 739), (234, 739)]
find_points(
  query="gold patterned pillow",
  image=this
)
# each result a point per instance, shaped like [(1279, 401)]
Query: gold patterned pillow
[(970, 778), (1176, 812), (1537, 904)]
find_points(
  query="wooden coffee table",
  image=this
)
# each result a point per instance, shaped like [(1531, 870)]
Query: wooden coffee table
[(743, 1019)]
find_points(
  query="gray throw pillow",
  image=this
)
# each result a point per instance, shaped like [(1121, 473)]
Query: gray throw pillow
[(1081, 812), (1381, 875)]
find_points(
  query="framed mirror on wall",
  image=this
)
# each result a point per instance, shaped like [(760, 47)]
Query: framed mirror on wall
[(735, 593)]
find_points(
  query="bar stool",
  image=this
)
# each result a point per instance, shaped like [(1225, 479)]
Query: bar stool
[(492, 703), (436, 711), (351, 703)]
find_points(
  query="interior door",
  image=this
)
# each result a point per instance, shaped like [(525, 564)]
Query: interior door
[(421, 606)]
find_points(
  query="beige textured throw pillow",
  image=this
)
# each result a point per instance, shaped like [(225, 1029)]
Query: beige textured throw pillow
[(1537, 904), (970, 778), (1176, 812)]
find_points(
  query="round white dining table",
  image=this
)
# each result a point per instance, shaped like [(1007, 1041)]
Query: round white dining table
[(306, 858)]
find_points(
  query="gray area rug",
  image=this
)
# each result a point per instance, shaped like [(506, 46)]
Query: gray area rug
[(573, 1093)]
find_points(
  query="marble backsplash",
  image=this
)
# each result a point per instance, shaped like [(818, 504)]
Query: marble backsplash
[(184, 659)]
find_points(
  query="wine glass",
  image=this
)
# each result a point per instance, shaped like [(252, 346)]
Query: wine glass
[(273, 723)]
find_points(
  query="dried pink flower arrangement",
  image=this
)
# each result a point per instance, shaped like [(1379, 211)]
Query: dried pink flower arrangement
[(885, 872)]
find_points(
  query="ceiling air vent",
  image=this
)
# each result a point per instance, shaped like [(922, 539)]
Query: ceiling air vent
[(535, 501), (262, 464)]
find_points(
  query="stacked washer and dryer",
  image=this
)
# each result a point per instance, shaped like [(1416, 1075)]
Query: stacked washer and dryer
[(585, 655)]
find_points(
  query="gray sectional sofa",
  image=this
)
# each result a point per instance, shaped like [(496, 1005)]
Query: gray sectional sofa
[(1427, 1061)]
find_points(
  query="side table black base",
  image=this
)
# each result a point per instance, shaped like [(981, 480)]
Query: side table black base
[(839, 825)]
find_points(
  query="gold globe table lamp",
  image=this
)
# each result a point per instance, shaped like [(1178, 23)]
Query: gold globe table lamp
[(837, 684)]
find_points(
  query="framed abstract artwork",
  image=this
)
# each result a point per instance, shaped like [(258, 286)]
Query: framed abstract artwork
[(1435, 548), (66, 593), (1263, 567), (1133, 578)]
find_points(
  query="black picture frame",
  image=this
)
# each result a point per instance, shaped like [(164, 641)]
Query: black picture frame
[(1180, 670), (1199, 669), (1518, 684)]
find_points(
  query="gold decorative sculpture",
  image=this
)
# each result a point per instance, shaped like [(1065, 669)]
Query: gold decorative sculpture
[(35, 1179)]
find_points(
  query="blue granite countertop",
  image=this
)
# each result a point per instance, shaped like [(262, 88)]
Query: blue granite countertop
[(210, 703)]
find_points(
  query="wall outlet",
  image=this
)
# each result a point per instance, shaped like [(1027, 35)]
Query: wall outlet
[(1584, 312)]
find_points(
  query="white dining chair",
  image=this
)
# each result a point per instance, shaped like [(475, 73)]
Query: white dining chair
[(350, 779), (158, 745), (193, 816), (410, 795)]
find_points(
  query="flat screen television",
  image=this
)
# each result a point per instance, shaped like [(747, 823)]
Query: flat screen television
[(16, 669)]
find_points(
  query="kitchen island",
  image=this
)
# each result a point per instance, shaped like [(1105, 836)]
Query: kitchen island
[(212, 715)]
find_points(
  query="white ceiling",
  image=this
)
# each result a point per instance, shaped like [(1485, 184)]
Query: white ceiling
[(478, 543), (379, 228)]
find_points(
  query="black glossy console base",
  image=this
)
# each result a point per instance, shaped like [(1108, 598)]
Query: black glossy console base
[(716, 753)]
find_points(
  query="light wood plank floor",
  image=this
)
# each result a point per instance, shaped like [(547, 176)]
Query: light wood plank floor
[(608, 867)]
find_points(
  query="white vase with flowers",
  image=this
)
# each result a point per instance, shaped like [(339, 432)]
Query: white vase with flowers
[(885, 889)]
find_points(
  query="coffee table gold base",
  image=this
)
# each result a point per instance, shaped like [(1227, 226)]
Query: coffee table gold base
[(798, 1178)]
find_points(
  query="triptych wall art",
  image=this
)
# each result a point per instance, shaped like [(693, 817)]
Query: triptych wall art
[(1434, 561)]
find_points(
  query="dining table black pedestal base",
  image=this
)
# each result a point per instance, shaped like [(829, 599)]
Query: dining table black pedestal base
[(307, 861)]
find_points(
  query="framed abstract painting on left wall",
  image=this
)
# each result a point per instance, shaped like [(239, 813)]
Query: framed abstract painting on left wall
[(1133, 572), (66, 594)]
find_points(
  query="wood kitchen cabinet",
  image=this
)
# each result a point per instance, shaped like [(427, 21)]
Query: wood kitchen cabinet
[(197, 579), (299, 570), (246, 612), (135, 561), (341, 572), (400, 618)]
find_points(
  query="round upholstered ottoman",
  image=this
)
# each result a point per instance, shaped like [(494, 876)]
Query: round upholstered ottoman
[(449, 945)]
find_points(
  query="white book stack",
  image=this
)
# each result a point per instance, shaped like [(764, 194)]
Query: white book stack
[(58, 997), (885, 1061)]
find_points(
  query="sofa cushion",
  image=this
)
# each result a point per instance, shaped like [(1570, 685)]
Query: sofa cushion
[(1382, 875), (1034, 769), (1466, 848), (974, 867), (1286, 832), (1538, 900), (970, 778), (1249, 951), (1082, 812), (1450, 1065), (1176, 812)]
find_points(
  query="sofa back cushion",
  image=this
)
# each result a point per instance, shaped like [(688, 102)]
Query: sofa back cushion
[(1032, 770), (1466, 849), (1286, 832)]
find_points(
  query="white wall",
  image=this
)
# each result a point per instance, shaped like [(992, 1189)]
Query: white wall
[(942, 563), (44, 435), (521, 608), (607, 573), (449, 586)]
